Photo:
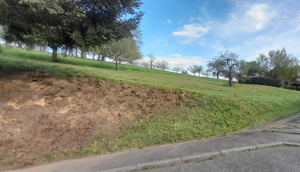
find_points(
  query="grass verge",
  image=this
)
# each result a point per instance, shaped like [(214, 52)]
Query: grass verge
[(213, 109)]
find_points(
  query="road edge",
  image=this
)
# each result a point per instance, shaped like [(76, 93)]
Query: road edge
[(198, 157)]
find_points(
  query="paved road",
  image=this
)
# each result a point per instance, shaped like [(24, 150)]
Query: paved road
[(150, 154), (266, 160), (289, 124)]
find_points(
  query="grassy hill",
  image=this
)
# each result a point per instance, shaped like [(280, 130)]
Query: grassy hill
[(213, 109)]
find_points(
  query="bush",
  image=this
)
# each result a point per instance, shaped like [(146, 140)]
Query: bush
[(261, 81), (290, 87)]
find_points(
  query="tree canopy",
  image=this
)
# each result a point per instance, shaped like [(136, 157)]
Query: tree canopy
[(230, 64), (275, 65), (57, 23), (124, 50)]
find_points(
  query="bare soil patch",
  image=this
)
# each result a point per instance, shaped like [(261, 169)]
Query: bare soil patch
[(40, 115)]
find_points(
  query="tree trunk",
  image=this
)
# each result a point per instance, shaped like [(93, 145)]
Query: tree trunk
[(116, 64), (71, 52), (103, 58), (230, 81), (76, 51), (83, 54), (218, 75), (20, 45), (44, 48), (65, 53), (54, 55)]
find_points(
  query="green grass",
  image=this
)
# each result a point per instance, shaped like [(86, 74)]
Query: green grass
[(47, 158), (46, 57), (213, 109), (66, 153)]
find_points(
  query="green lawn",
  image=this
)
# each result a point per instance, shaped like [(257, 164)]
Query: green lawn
[(214, 109)]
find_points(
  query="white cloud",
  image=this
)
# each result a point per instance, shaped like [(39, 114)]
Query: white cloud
[(191, 32), (179, 60), (183, 61), (259, 15), (169, 21), (245, 19)]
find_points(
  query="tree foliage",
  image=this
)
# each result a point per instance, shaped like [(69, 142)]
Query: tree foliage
[(230, 63), (216, 66), (177, 69), (124, 50), (276, 65), (162, 64), (151, 60), (196, 69), (84, 23)]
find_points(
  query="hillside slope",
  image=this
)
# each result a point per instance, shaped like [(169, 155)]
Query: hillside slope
[(201, 108)]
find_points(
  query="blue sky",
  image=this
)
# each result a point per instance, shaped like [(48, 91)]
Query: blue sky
[(194, 31)]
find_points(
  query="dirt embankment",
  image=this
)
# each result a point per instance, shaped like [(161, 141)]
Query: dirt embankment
[(40, 114)]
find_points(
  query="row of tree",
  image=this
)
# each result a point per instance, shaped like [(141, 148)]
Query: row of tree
[(277, 65), (105, 28)]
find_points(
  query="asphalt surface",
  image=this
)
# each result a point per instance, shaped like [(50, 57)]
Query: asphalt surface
[(290, 124), (265, 160)]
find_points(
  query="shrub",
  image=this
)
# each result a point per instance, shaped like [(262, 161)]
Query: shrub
[(261, 81), (290, 87)]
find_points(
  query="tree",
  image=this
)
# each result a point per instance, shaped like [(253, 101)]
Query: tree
[(177, 69), (138, 36), (145, 64), (162, 64), (206, 73), (151, 60), (282, 65), (276, 65), (84, 23), (216, 66), (195, 69), (184, 71), (263, 63), (231, 64), (124, 50), (199, 70)]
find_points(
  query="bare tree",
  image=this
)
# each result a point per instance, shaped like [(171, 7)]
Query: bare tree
[(184, 71), (162, 64), (151, 60), (231, 64), (145, 64), (216, 67), (138, 36), (206, 73), (195, 69), (177, 69)]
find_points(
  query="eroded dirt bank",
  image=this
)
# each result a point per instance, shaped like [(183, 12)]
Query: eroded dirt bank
[(40, 115)]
